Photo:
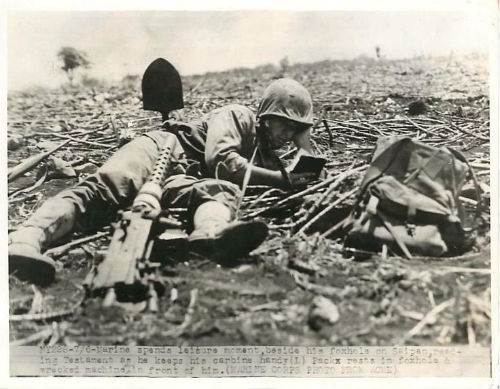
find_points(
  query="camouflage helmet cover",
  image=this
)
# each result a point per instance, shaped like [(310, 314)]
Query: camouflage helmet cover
[(288, 99)]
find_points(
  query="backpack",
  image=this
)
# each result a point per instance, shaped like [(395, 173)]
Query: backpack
[(409, 200)]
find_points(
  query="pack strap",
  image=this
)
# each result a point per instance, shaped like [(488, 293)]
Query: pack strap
[(397, 238), (372, 209), (265, 152), (419, 169), (402, 143), (461, 157)]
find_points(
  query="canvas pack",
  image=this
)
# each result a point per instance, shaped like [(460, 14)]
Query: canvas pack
[(409, 200)]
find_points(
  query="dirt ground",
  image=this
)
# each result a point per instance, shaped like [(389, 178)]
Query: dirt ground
[(268, 298)]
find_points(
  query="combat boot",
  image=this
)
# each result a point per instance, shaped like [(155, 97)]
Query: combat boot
[(53, 220), (216, 234)]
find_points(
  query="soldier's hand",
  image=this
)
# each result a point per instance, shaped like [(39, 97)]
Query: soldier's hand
[(301, 179)]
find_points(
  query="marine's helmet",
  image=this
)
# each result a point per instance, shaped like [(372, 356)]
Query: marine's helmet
[(288, 99)]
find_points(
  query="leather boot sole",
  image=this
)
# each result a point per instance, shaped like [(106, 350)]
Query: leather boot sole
[(32, 267), (234, 241)]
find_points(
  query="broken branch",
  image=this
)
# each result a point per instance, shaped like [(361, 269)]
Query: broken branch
[(31, 162)]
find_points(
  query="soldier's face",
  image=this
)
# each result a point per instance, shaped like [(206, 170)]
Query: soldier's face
[(281, 131)]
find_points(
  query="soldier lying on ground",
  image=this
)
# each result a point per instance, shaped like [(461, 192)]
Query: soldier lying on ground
[(222, 143)]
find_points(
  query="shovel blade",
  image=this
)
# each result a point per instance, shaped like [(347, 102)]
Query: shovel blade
[(161, 87)]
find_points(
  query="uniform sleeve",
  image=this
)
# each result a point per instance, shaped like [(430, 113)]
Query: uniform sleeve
[(230, 136)]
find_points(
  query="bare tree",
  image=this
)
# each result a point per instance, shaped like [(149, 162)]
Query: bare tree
[(72, 59), (284, 64)]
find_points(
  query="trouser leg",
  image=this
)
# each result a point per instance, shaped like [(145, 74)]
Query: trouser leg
[(117, 182), (190, 192), (94, 202), (89, 205), (211, 206)]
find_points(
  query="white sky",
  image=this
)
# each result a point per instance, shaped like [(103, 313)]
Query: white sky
[(120, 43)]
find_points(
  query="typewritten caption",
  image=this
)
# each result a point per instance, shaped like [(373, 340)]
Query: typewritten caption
[(220, 361)]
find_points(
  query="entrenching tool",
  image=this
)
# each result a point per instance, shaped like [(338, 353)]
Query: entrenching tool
[(162, 88)]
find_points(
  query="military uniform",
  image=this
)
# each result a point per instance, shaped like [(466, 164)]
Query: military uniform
[(209, 158), (218, 145)]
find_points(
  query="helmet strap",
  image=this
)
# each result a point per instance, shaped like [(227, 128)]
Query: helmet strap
[(263, 145)]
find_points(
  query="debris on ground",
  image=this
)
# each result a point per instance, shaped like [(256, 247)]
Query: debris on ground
[(323, 312), (299, 287)]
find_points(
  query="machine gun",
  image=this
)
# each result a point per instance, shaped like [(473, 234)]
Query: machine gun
[(127, 275)]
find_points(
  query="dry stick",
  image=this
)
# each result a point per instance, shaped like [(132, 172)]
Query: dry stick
[(429, 317), (327, 209), (266, 306), (78, 131), (471, 334), (461, 118), (246, 180), (89, 132), (423, 129), (348, 123), (433, 128), (348, 135), (307, 191), (31, 162), (262, 197), (24, 198), (190, 310), (33, 123), (456, 138), (411, 314), (480, 137), (325, 290), (105, 339), (32, 338), (193, 89), (434, 120), (57, 333), (48, 315), (480, 304), (458, 269), (104, 138), (70, 138), (357, 129), (61, 250), (36, 301), (447, 127), (384, 121), (333, 229), (315, 147), (330, 135), (376, 129), (113, 125), (250, 198), (40, 181), (466, 200), (177, 331), (327, 193), (480, 165)]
